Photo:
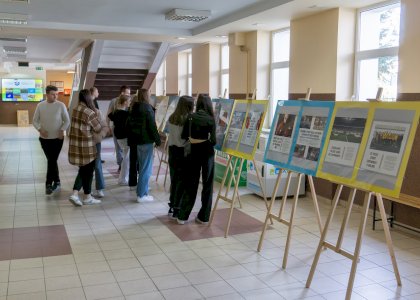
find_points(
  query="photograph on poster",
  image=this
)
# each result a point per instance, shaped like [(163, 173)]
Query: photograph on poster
[(320, 122), (305, 122), (385, 147), (299, 151), (313, 154), (252, 126), (285, 125)]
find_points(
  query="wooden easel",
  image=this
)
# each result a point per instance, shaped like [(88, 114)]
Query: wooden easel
[(163, 159), (231, 165), (354, 257), (226, 197), (280, 218)]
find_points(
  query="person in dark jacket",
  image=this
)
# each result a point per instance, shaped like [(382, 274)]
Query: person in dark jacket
[(142, 133), (202, 136), (119, 118), (176, 152)]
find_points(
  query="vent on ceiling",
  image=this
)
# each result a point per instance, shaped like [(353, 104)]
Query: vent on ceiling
[(16, 55), (15, 1), (14, 39), (11, 50), (187, 15), (13, 19)]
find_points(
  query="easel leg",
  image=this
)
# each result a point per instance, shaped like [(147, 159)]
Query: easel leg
[(285, 194), (356, 256), (388, 238), (262, 188), (232, 170), (268, 216), (292, 216), (161, 158), (166, 157), (324, 235), (220, 191), (315, 200), (346, 218), (235, 191)]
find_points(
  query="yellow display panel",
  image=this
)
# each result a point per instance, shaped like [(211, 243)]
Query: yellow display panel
[(245, 125)]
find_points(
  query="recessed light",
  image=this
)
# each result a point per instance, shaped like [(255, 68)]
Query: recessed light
[(70, 72), (181, 38), (221, 36), (13, 19)]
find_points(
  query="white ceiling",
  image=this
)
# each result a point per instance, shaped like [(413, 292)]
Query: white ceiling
[(57, 28)]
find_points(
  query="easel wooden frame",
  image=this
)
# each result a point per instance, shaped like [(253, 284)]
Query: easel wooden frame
[(163, 159), (362, 225), (231, 166), (280, 218)]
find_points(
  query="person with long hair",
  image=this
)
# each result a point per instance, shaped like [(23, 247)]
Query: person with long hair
[(200, 129), (85, 122), (142, 134), (176, 159), (119, 117), (99, 175)]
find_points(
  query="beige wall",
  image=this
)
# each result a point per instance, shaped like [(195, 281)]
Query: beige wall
[(263, 65), (172, 74), (345, 53), (313, 53), (237, 68), (201, 69), (409, 52), (214, 70), (67, 78)]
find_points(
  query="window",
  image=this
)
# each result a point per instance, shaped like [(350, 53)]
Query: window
[(189, 73), (224, 70), (161, 80), (280, 48), (377, 51)]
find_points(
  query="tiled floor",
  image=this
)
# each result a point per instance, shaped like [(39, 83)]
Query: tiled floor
[(122, 250)]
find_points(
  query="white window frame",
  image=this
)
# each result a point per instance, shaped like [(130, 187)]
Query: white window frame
[(273, 66), (223, 71), (189, 75), (371, 53), (162, 79)]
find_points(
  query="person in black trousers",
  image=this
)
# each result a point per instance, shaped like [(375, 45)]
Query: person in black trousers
[(200, 129), (176, 152)]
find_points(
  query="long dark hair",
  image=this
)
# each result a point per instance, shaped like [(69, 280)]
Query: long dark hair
[(86, 97), (141, 96), (183, 109), (204, 103)]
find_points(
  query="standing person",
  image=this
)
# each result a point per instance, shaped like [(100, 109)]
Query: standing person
[(99, 175), (142, 133), (124, 90), (119, 118), (51, 119), (176, 159), (201, 131), (85, 122)]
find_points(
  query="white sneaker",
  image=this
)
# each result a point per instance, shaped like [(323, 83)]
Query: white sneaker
[(90, 200), (99, 194), (146, 198), (180, 222), (75, 200)]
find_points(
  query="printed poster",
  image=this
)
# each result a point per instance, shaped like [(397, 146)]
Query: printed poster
[(345, 139), (297, 135), (314, 120), (245, 127), (173, 102), (282, 132), (222, 113), (161, 108)]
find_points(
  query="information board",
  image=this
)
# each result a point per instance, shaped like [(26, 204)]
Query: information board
[(222, 113)]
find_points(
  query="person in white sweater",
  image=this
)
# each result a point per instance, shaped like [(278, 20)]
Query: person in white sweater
[(51, 119)]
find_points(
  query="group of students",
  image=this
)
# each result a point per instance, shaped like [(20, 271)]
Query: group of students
[(135, 134)]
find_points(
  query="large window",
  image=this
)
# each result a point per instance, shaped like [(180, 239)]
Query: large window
[(377, 51), (189, 73), (161, 80), (224, 70), (280, 48)]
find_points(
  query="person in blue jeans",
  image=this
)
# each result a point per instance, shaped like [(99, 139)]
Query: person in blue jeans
[(142, 134)]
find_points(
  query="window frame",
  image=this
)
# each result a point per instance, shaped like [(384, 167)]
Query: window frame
[(189, 75), (361, 55), (223, 71)]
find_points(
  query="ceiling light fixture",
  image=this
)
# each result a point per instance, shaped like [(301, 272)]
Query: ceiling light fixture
[(15, 50), (70, 72), (181, 38), (13, 19), (14, 39), (187, 15), (15, 1), (221, 36)]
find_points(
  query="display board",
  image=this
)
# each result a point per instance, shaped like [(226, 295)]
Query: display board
[(173, 102), (297, 135), (18, 90), (244, 128), (222, 113), (369, 145), (162, 103)]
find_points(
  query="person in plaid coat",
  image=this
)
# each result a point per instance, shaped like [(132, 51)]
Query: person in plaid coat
[(85, 122)]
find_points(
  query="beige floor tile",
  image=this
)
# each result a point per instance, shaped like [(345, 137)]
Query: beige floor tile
[(97, 278), (137, 286), (32, 296), (25, 287), (182, 293), (217, 288), (161, 270), (130, 274), (102, 291), (170, 281), (66, 294), (60, 270), (64, 282), (94, 267), (124, 263), (26, 263), (146, 296), (202, 276), (26, 274)]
